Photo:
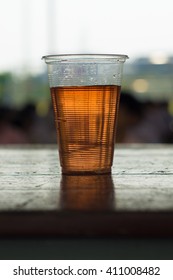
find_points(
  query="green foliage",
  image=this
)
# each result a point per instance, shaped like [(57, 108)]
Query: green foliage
[(17, 91)]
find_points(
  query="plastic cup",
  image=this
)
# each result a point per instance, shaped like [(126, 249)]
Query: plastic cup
[(85, 91)]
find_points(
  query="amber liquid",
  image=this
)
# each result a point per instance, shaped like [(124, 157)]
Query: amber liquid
[(85, 118)]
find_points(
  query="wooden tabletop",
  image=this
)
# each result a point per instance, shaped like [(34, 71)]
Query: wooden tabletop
[(136, 200)]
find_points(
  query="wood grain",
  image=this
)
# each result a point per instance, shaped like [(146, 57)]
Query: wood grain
[(136, 200)]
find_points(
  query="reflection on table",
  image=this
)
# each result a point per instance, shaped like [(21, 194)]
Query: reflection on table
[(91, 192)]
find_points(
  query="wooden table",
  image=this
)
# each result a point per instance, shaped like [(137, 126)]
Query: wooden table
[(136, 200)]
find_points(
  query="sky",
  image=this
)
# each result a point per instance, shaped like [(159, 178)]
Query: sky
[(32, 28)]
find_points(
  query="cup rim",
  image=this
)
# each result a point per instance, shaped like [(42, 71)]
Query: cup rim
[(77, 58)]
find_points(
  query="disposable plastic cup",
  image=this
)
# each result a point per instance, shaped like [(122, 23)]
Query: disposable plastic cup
[(85, 91)]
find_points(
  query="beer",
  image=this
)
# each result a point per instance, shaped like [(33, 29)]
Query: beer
[(85, 118)]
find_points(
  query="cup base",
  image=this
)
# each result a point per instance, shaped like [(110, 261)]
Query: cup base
[(87, 172)]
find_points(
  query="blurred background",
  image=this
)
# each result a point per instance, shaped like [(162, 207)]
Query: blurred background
[(141, 29)]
